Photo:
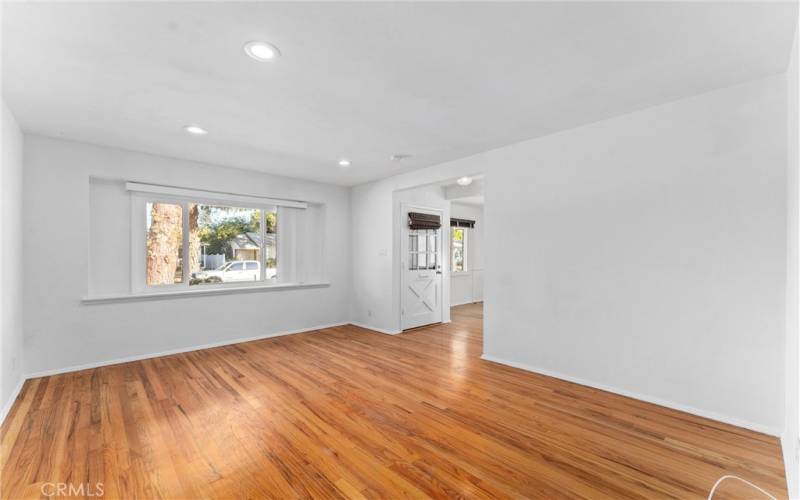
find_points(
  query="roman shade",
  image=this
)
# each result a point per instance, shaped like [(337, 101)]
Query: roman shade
[(461, 222), (418, 220)]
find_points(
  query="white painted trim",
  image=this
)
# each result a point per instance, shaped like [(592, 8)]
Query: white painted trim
[(465, 303), (128, 359), (375, 329), (10, 402), (212, 290), (792, 476), (641, 397), (215, 195)]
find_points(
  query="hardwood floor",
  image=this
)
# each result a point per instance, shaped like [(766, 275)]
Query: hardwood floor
[(347, 413)]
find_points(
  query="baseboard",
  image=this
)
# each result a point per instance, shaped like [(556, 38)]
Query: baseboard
[(461, 303), (128, 359), (641, 397), (11, 399), (465, 303), (373, 328), (789, 448)]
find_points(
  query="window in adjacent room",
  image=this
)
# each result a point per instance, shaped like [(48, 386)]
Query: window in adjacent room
[(458, 249)]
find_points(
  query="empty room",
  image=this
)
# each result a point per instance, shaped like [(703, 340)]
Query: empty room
[(399, 249)]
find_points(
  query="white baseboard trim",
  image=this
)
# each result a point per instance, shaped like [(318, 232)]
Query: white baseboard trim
[(128, 359), (11, 399), (789, 448), (375, 329), (465, 303), (461, 303), (641, 397)]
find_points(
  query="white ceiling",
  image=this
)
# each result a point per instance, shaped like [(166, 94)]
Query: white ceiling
[(438, 81)]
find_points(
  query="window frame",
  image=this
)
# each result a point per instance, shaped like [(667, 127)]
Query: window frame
[(138, 257), (464, 246)]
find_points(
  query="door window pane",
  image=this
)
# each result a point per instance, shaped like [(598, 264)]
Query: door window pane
[(422, 260), (164, 243), (433, 249), (423, 249), (413, 250)]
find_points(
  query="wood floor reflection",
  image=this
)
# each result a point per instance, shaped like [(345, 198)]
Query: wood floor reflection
[(349, 413)]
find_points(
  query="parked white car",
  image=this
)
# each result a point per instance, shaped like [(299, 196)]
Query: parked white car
[(235, 270)]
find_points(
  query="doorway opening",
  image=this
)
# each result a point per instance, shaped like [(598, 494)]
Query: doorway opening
[(440, 250), (466, 243)]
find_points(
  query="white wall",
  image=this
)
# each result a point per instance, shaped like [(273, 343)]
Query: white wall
[(11, 234), (71, 218), (791, 432), (467, 287), (373, 295), (653, 258)]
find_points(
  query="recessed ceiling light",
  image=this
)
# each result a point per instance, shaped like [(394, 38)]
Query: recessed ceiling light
[(195, 130), (344, 162), (400, 157), (261, 51), (464, 181)]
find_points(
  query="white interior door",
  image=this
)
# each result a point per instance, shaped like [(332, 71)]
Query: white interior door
[(422, 273)]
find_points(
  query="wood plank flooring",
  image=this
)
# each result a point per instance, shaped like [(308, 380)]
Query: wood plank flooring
[(348, 413)]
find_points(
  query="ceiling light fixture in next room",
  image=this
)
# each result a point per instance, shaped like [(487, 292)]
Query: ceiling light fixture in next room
[(195, 130), (261, 51), (464, 181)]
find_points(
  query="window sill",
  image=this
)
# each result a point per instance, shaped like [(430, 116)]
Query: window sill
[(176, 294)]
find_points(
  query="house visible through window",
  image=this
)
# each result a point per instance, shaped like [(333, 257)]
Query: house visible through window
[(223, 244), (458, 249)]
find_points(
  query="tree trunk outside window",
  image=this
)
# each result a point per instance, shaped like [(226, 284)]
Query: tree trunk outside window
[(194, 239), (164, 243)]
